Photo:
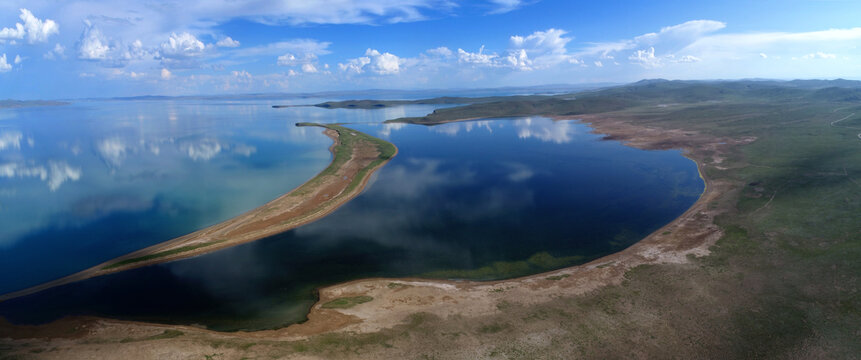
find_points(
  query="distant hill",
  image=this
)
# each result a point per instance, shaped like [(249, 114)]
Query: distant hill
[(9, 103)]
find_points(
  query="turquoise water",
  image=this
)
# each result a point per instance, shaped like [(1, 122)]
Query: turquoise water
[(479, 200), (84, 183)]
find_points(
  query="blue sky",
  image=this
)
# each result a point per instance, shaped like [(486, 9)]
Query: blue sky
[(91, 48)]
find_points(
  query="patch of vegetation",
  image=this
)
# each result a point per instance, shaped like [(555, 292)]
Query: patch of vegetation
[(167, 334), (161, 254), (346, 302), (557, 277), (536, 263)]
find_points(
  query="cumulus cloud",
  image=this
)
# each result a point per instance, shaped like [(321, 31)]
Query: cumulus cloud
[(480, 57), (227, 42), (383, 63), (166, 74), (543, 48), (4, 66), (356, 65), (93, 45), (290, 59), (182, 45), (646, 58), (309, 68), (539, 50), (18, 59), (374, 61), (34, 29), (58, 52)]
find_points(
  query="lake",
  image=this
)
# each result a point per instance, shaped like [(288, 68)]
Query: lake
[(474, 200)]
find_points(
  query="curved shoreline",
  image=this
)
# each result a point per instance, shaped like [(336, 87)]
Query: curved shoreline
[(355, 158), (394, 300)]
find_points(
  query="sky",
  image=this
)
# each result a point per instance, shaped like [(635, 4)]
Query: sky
[(70, 49)]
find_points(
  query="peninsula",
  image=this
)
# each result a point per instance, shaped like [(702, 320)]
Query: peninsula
[(355, 157)]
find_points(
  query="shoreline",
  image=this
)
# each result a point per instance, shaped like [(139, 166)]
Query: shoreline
[(394, 300), (690, 234), (302, 205)]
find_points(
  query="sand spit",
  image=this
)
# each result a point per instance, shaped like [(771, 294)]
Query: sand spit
[(360, 156)]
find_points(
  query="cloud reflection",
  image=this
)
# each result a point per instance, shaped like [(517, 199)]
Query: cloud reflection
[(112, 151), (467, 126), (55, 174), (10, 140), (544, 129)]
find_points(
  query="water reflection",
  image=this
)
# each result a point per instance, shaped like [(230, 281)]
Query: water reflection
[(559, 132), (445, 202), (111, 177)]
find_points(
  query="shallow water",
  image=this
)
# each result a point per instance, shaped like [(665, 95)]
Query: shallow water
[(481, 200)]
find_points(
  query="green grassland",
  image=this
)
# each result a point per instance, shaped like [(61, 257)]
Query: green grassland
[(783, 282)]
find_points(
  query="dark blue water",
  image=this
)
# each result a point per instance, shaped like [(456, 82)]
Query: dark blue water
[(482, 200)]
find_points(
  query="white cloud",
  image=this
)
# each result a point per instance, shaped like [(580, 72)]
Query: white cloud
[(4, 66), (763, 55), (479, 57), (544, 48), (290, 59), (34, 29), (309, 68), (182, 45), (598, 63), (227, 42), (93, 45), (18, 59), (680, 35), (816, 55), (57, 52), (646, 58), (356, 65), (504, 6), (441, 51), (383, 63), (166, 74), (374, 61), (670, 39), (687, 59), (17, 32)]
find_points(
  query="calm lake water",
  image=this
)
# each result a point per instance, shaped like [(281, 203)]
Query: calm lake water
[(479, 200)]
